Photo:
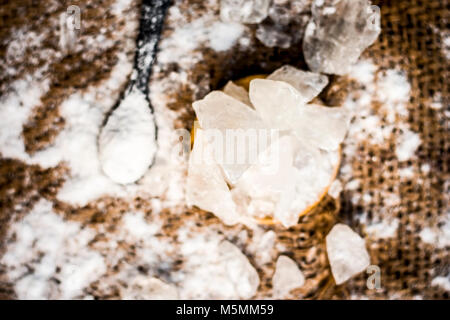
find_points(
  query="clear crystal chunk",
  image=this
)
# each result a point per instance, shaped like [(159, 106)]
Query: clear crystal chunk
[(308, 84), (347, 253), (338, 32), (244, 11)]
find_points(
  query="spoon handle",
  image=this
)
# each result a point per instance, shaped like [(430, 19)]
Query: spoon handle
[(150, 26)]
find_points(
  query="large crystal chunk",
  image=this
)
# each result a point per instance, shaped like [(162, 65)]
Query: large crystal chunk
[(221, 111), (288, 178), (240, 272), (347, 253), (206, 187), (309, 84), (282, 106), (287, 277), (237, 123), (244, 11), (338, 32)]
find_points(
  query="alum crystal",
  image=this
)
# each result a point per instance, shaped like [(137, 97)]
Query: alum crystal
[(338, 32), (347, 253), (244, 11), (290, 172), (287, 277)]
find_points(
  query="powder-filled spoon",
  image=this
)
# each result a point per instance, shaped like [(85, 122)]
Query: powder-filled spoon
[(127, 142)]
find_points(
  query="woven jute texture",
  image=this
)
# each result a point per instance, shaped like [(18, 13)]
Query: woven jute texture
[(412, 39)]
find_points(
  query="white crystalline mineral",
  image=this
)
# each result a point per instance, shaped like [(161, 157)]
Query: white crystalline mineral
[(287, 277), (127, 142), (221, 111), (347, 253), (290, 172), (241, 273), (237, 92), (244, 11), (283, 106), (272, 36), (309, 84), (338, 32), (206, 187), (145, 288)]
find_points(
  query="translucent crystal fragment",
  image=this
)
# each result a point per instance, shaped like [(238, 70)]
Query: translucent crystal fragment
[(206, 187), (145, 288), (239, 270), (280, 14), (262, 189), (283, 106), (287, 277), (272, 36), (236, 122), (347, 253), (237, 92), (221, 111), (338, 32), (308, 84), (244, 11)]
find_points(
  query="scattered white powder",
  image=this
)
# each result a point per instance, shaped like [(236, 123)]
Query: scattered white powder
[(439, 237), (443, 282), (406, 173), (335, 189), (15, 110), (181, 46), (262, 245), (223, 36), (383, 229), (56, 251), (407, 145), (425, 168), (436, 103)]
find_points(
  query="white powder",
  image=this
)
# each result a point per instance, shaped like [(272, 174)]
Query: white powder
[(443, 282), (407, 145), (15, 109), (54, 249), (383, 229), (222, 36), (127, 143), (182, 45), (406, 173), (439, 237)]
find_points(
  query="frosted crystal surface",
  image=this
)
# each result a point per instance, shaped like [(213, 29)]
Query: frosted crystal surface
[(308, 84), (241, 273), (282, 106), (244, 11), (206, 187), (338, 32), (347, 253), (287, 277), (272, 36), (237, 92)]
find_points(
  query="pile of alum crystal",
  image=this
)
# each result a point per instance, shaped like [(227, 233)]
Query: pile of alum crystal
[(266, 154)]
